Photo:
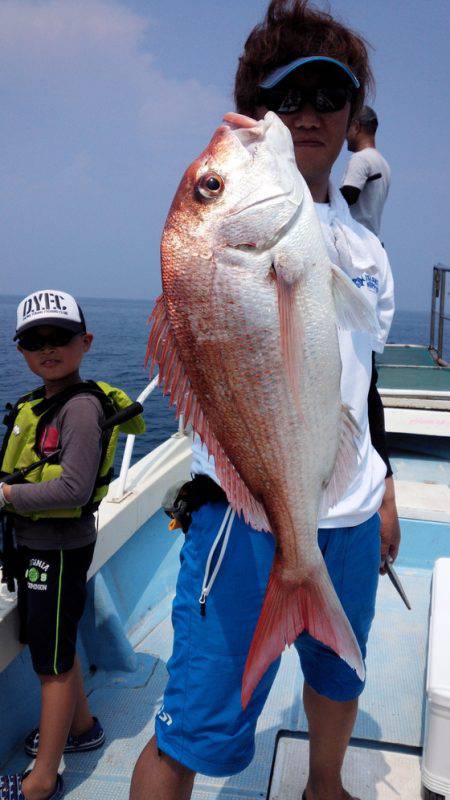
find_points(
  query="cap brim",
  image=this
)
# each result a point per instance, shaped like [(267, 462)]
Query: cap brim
[(282, 72), (69, 325)]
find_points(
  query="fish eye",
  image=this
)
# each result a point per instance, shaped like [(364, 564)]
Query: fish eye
[(210, 186)]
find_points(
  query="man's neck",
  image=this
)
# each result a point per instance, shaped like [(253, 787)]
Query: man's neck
[(53, 387), (319, 189), (364, 142)]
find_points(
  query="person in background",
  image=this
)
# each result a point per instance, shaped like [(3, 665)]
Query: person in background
[(367, 177), (51, 514)]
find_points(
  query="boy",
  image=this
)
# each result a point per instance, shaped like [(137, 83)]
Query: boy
[(312, 71), (54, 524)]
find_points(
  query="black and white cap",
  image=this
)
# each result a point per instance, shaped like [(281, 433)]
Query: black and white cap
[(49, 307)]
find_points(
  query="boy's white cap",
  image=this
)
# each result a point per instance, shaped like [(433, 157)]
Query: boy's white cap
[(49, 307)]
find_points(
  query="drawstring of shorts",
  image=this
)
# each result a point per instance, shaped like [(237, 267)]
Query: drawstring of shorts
[(227, 524)]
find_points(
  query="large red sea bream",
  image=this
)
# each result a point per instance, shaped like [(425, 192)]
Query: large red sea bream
[(245, 337)]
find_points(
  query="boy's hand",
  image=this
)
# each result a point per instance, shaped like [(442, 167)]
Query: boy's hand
[(5, 490), (390, 526)]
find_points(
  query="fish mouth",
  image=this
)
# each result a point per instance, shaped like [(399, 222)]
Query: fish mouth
[(251, 134)]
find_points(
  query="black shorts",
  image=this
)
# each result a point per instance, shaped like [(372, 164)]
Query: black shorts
[(51, 598)]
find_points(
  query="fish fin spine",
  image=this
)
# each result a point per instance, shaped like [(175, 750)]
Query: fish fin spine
[(162, 350), (346, 463), (286, 612)]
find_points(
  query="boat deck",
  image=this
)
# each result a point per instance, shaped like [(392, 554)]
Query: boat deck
[(391, 708), (411, 368)]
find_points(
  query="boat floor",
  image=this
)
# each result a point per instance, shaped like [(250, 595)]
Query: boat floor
[(411, 368), (391, 713)]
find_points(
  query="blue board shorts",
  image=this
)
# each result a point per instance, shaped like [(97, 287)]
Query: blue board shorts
[(201, 723)]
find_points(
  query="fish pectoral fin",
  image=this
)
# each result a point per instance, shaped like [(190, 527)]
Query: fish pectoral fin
[(291, 334), (313, 606), (346, 463), (162, 350), (353, 312)]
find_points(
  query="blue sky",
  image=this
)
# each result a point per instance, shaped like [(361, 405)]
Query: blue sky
[(105, 103)]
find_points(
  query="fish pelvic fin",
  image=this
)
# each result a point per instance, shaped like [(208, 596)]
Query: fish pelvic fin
[(162, 351), (346, 464), (314, 607), (353, 312)]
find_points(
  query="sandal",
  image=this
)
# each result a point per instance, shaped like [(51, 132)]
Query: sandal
[(90, 740), (11, 787)]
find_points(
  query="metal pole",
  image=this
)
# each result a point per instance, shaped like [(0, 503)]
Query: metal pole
[(440, 346), (434, 295)]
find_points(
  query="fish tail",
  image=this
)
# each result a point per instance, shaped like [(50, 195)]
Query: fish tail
[(287, 611)]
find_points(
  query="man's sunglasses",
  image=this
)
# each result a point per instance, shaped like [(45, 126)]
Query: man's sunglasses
[(324, 100), (36, 341)]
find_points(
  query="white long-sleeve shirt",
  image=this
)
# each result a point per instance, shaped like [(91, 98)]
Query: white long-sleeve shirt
[(360, 255)]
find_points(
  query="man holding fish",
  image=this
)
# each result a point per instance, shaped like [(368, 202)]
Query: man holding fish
[(273, 300)]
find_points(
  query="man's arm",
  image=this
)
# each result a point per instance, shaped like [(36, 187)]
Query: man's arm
[(351, 194), (390, 526), (357, 173)]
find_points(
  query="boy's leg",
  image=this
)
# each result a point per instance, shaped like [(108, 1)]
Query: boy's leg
[(160, 777), (332, 688), (59, 696), (201, 726), (82, 718), (55, 585)]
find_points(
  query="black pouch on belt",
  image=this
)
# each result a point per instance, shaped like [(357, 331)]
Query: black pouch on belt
[(187, 496)]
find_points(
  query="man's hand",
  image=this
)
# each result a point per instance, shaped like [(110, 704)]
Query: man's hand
[(390, 526)]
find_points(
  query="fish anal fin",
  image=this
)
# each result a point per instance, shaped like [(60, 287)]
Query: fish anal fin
[(353, 312), (346, 464), (286, 612), (162, 350)]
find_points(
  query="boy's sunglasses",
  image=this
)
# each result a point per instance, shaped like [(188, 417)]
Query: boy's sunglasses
[(36, 341), (324, 100)]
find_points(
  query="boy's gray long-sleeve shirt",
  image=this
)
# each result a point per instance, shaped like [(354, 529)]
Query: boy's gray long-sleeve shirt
[(80, 439)]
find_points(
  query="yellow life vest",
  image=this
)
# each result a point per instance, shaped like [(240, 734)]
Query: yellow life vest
[(26, 422)]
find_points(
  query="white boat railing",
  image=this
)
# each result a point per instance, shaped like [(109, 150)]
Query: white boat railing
[(129, 444)]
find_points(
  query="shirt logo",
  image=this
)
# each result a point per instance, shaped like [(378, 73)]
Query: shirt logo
[(164, 716), (36, 575), (371, 282)]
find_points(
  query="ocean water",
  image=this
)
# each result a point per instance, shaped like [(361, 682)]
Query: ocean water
[(117, 356)]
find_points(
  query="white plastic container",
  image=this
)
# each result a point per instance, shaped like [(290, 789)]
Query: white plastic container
[(436, 752)]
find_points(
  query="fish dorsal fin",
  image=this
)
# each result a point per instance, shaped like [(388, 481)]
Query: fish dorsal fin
[(346, 464), (162, 350), (353, 312)]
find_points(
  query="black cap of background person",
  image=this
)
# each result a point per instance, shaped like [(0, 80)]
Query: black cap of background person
[(367, 117), (49, 307)]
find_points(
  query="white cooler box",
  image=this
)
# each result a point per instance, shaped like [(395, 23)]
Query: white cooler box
[(436, 752)]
